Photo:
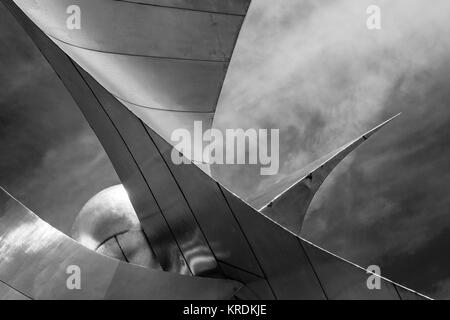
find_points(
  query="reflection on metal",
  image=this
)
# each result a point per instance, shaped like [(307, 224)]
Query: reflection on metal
[(193, 225), (173, 56), (105, 215), (34, 258), (132, 153), (109, 225), (287, 201)]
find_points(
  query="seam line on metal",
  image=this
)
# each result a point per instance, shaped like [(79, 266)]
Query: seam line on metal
[(248, 242), (136, 55), (316, 275), (135, 161), (184, 197), (180, 8)]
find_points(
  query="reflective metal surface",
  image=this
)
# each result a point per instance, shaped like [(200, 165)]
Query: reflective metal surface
[(287, 201), (154, 83), (160, 198), (172, 206), (211, 211), (153, 55), (34, 258), (278, 253), (136, 249), (153, 222), (122, 27), (105, 215), (108, 224)]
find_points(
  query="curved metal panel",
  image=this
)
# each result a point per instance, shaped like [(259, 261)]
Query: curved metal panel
[(164, 123), (212, 212), (164, 188), (105, 215), (154, 83), (132, 153), (128, 28), (278, 252), (34, 258), (256, 287), (128, 170), (112, 249), (136, 249), (170, 58)]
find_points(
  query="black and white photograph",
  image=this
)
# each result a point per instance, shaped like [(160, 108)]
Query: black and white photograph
[(243, 151)]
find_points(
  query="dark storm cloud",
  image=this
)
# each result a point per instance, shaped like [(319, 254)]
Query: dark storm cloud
[(312, 69), (393, 196), (49, 157)]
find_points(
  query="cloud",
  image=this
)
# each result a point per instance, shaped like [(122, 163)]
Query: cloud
[(50, 159), (312, 69)]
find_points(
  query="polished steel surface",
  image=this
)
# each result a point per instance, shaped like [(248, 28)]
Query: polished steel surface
[(153, 222), (34, 258), (111, 249), (154, 83), (152, 56), (279, 254), (136, 249), (177, 218), (105, 215), (143, 30), (287, 201), (108, 224), (212, 214)]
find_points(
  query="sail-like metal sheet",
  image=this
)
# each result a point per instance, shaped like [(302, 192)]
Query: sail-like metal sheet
[(287, 201), (34, 259), (165, 60)]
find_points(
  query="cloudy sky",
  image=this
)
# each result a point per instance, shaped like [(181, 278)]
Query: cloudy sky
[(313, 70)]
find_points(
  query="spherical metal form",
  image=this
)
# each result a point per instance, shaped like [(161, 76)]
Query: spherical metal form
[(108, 224)]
